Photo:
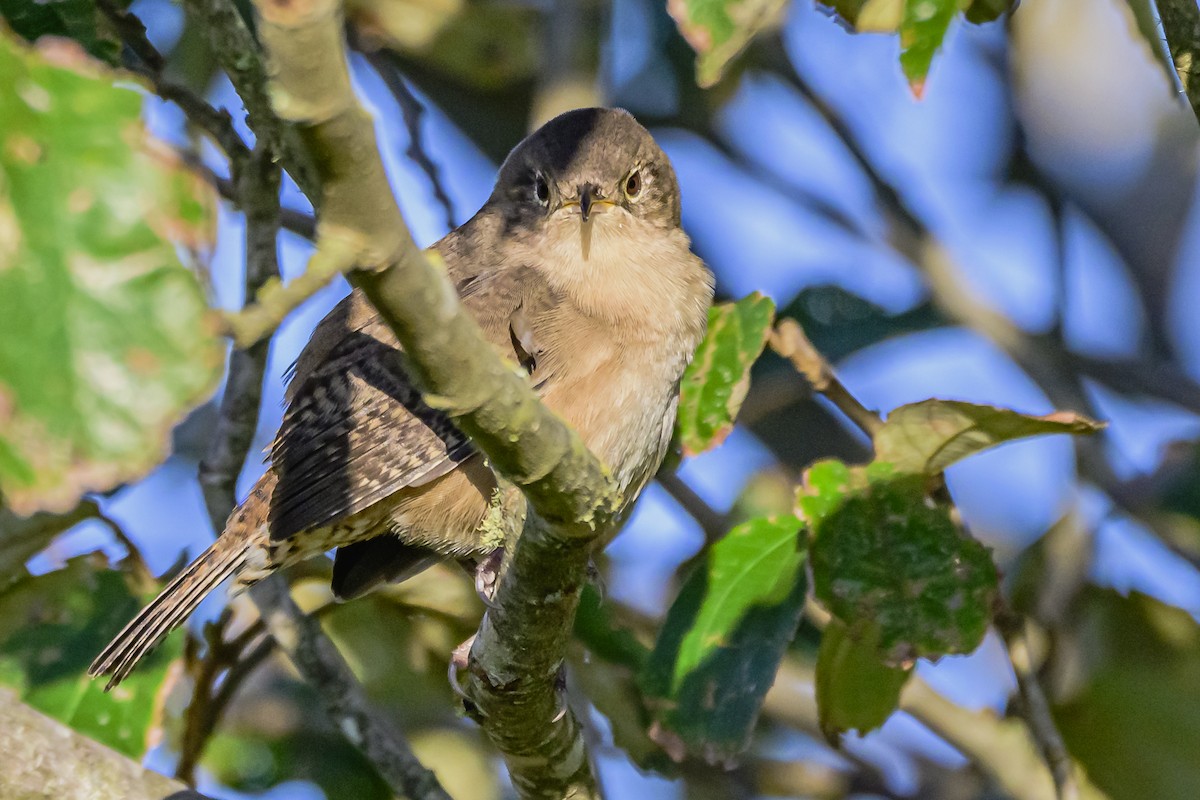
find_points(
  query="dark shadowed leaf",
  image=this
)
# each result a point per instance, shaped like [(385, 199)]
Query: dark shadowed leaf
[(80, 20), (922, 29), (724, 636), (883, 556), (23, 537), (839, 323), (929, 436), (720, 29), (53, 625), (1135, 722), (716, 381), (855, 690), (105, 338)]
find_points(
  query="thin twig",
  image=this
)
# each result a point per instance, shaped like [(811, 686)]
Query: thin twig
[(788, 339), (412, 111)]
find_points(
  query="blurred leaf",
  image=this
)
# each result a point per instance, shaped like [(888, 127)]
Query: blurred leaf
[(253, 762), (1136, 722), (484, 45), (981, 11), (52, 625), (723, 638), (928, 436), (922, 29), (104, 335), (80, 20), (882, 555), (716, 381), (603, 636), (840, 323), (718, 30), (855, 690)]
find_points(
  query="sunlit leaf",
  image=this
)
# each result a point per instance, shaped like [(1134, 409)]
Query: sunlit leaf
[(855, 690), (105, 338), (53, 625), (929, 436), (1135, 722), (720, 29), (716, 381), (723, 639), (883, 556), (922, 29)]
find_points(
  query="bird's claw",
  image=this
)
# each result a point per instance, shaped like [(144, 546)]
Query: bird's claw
[(458, 661), (487, 577)]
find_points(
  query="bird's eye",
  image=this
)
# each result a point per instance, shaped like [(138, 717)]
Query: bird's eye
[(541, 190), (633, 185)]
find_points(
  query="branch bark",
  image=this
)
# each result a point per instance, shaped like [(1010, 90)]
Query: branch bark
[(522, 640), (43, 759)]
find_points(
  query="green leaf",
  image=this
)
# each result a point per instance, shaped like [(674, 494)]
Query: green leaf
[(883, 556), (981, 11), (839, 323), (21, 538), (80, 20), (52, 625), (922, 30), (718, 30), (105, 337), (723, 639), (716, 381), (855, 690), (1135, 721), (929, 436)]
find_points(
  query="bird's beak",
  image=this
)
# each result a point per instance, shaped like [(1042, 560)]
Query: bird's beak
[(587, 196)]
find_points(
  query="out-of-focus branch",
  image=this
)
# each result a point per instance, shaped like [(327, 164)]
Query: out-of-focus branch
[(522, 640), (1181, 24), (42, 758), (412, 111)]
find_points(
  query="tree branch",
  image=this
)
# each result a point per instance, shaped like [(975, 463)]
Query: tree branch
[(42, 758), (522, 641), (1181, 24)]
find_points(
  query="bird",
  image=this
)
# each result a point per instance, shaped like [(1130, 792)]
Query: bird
[(576, 268)]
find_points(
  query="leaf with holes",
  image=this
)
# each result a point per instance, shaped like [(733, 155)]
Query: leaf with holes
[(716, 381), (929, 436), (52, 625), (723, 639), (855, 689), (718, 30), (105, 336), (883, 556)]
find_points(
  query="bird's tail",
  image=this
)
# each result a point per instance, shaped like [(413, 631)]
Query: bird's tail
[(244, 539)]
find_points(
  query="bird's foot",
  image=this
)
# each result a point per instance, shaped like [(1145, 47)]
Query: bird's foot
[(458, 661), (487, 576)]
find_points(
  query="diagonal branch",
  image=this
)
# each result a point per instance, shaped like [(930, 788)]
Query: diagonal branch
[(522, 641)]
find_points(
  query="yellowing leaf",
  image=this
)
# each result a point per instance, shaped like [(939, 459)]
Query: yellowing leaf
[(720, 29), (929, 436), (715, 383), (105, 337)]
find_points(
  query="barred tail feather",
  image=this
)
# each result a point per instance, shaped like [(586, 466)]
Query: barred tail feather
[(169, 610)]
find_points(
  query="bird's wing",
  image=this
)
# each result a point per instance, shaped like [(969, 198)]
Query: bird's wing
[(356, 430)]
